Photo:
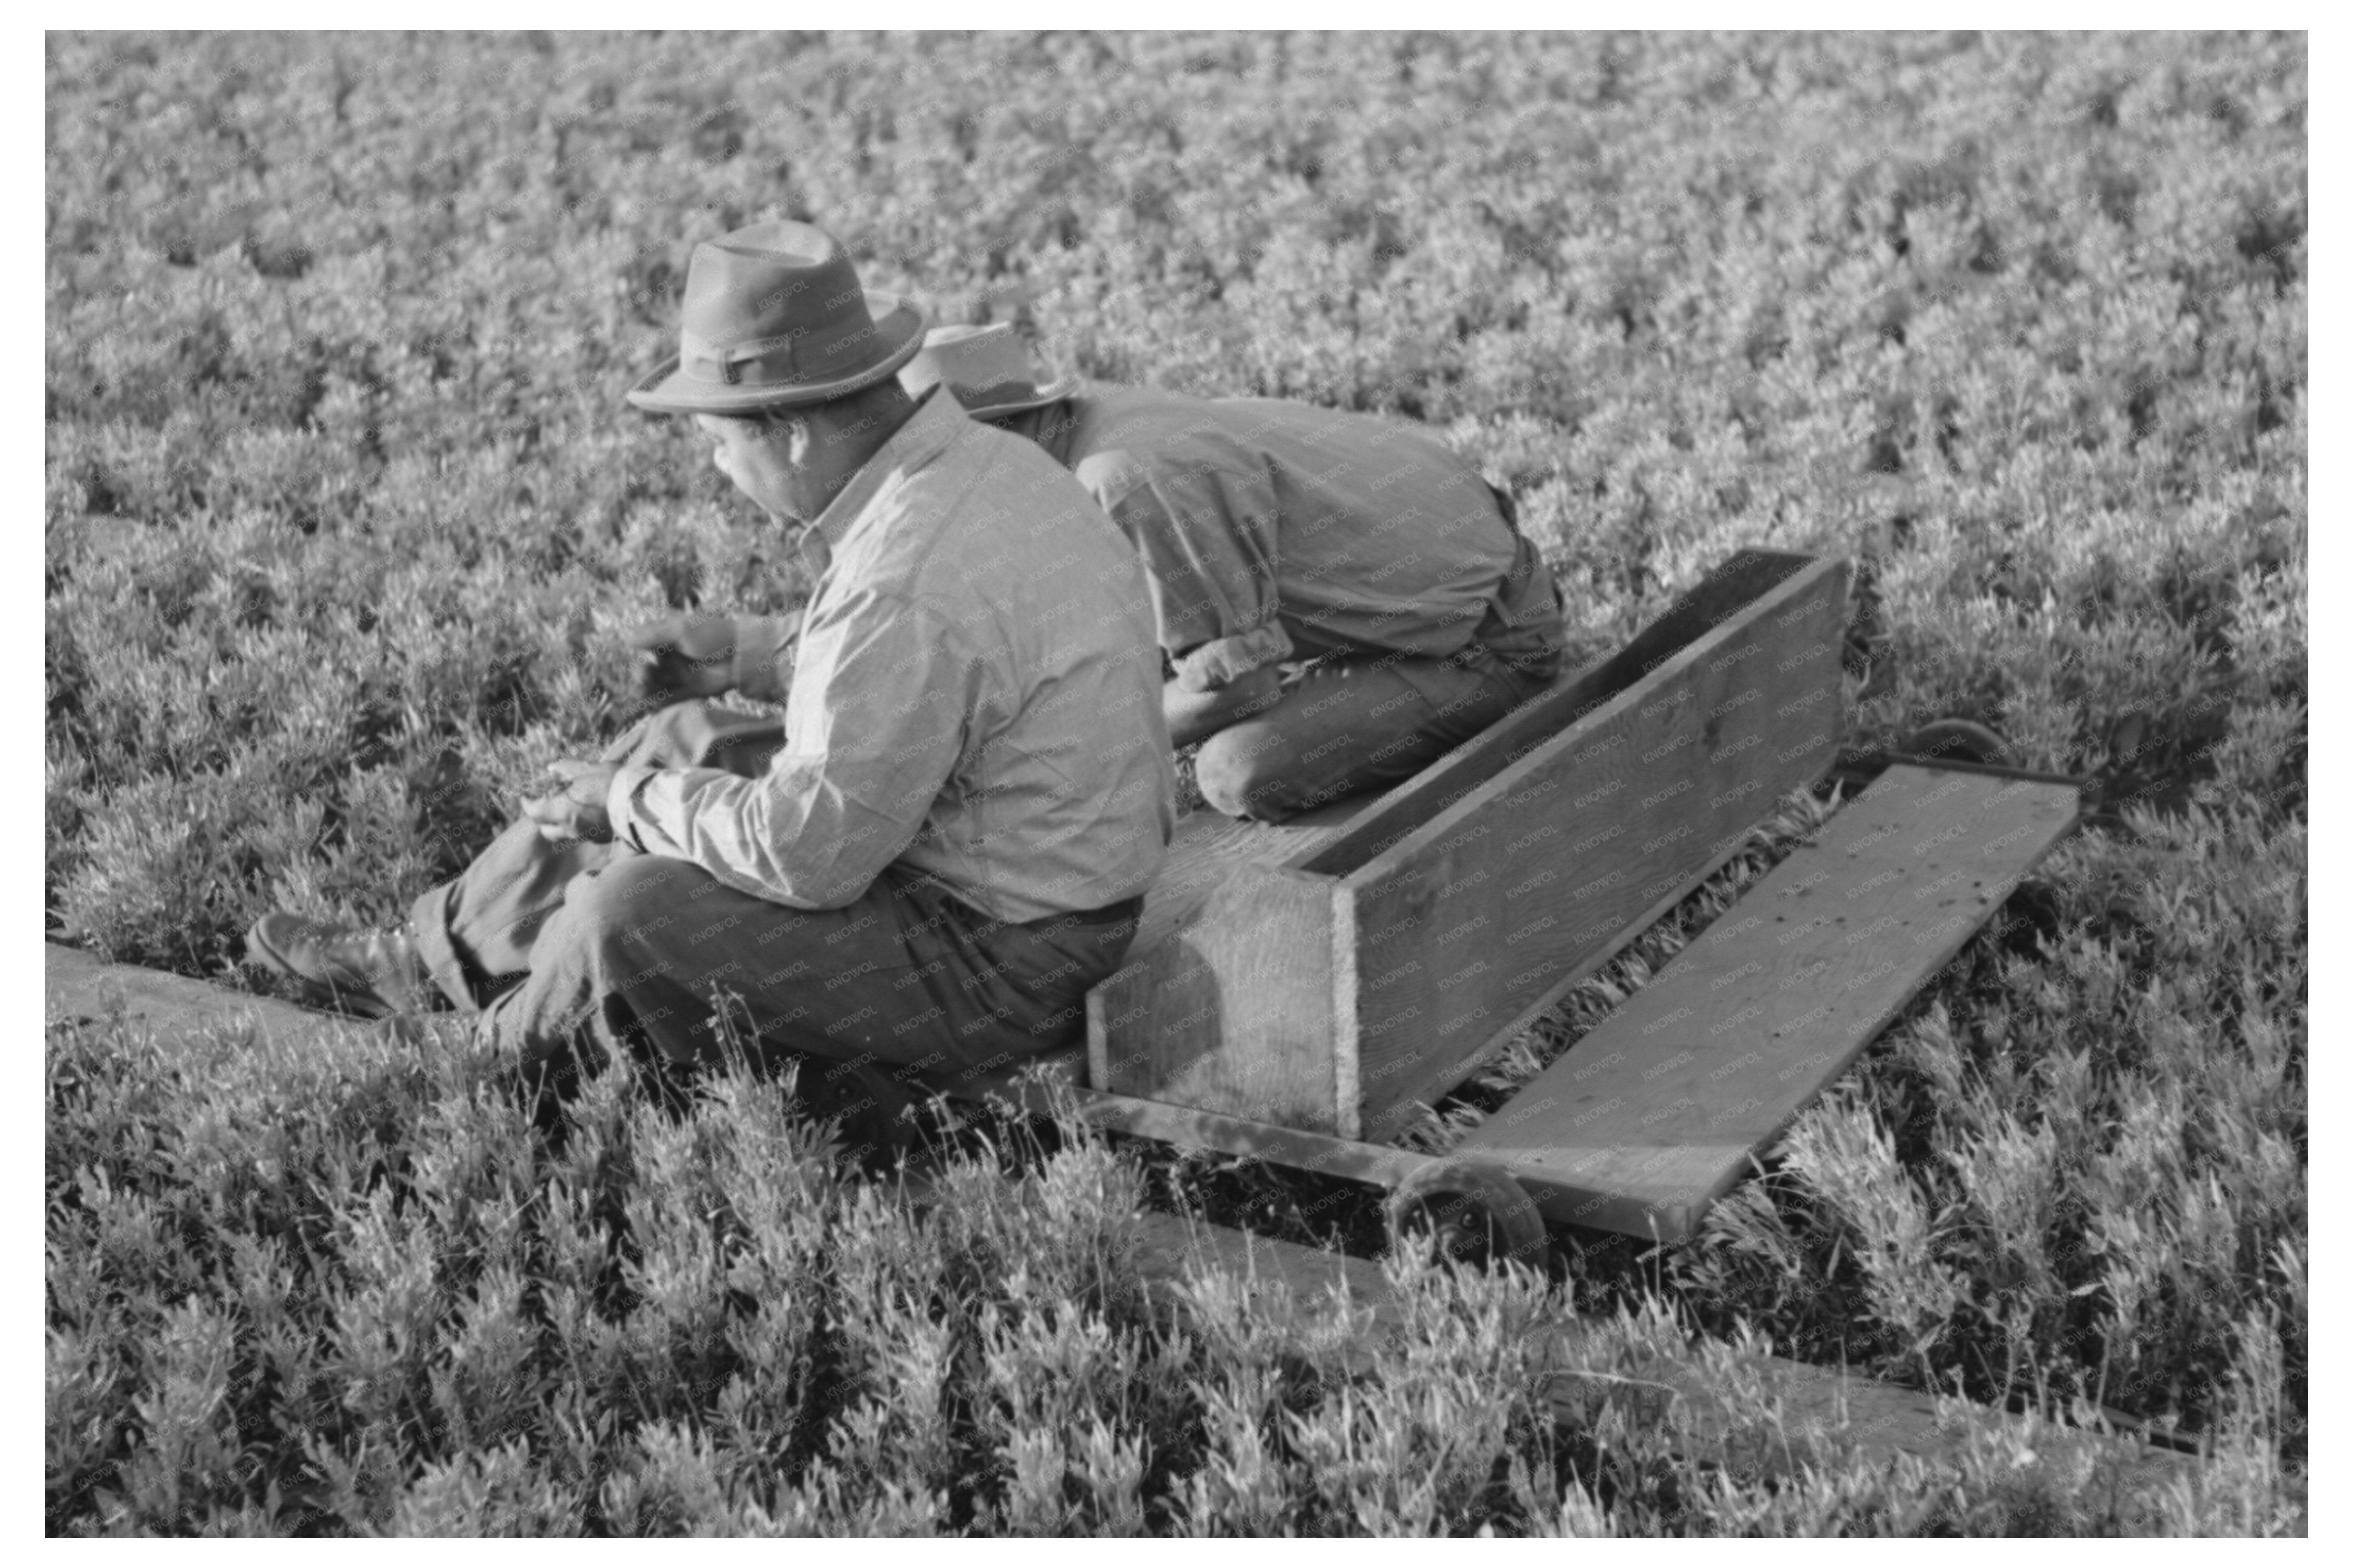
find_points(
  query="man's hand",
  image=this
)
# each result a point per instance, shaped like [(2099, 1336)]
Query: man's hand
[(1195, 715), (684, 657), (577, 809)]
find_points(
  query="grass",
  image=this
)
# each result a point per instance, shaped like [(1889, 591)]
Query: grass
[(296, 1291), (343, 515)]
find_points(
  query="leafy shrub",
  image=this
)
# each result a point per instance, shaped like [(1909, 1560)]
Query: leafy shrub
[(343, 514)]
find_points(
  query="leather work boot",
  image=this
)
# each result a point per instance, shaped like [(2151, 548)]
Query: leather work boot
[(372, 974)]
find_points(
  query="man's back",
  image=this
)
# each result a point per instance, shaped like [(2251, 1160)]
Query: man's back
[(1370, 534), (1062, 794), (975, 697)]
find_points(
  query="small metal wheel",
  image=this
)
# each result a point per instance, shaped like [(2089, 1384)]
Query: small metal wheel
[(1960, 739), (1470, 1210)]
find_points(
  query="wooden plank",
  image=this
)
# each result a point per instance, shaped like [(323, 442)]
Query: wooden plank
[(1237, 976), (1754, 1414), (1732, 587), (1318, 1153), (1257, 991), (1822, 1411), (1240, 1010), (82, 987), (1559, 976), (1486, 913), (1211, 847), (1662, 1107)]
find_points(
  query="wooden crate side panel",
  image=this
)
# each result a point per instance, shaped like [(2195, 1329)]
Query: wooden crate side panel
[(1237, 1013), (1732, 587), (1556, 976), (1658, 1110), (1818, 589), (1210, 848), (1460, 935)]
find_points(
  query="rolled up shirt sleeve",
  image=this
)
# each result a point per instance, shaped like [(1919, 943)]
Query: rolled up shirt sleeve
[(1211, 556), (1222, 660), (875, 726)]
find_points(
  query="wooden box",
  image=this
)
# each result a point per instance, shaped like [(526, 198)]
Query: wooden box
[(1328, 976)]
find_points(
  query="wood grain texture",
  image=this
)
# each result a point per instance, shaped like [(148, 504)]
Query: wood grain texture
[(1732, 587), (77, 985), (1486, 914), (1327, 976), (1653, 1115), (1238, 1010), (1210, 847), (1712, 1394), (1233, 992), (81, 987), (1822, 1411)]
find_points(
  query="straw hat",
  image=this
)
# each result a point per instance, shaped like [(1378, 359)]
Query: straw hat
[(774, 318), (989, 370)]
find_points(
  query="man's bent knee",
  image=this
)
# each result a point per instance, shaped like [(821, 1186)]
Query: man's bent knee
[(1239, 774), (629, 899)]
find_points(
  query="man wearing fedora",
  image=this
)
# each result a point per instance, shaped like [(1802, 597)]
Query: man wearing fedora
[(972, 792), (1341, 598)]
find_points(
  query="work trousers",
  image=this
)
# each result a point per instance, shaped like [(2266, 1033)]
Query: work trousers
[(577, 954), (1354, 723)]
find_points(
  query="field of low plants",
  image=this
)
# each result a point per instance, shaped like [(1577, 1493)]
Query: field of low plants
[(345, 517)]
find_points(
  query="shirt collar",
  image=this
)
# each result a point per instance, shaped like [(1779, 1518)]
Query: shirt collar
[(938, 422), (1057, 427)]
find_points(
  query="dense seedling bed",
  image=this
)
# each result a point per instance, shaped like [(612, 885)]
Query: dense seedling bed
[(343, 515)]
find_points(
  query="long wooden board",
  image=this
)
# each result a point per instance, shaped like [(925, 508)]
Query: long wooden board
[(1661, 1108), (1822, 1411), (1484, 916), (82, 986), (1817, 1414)]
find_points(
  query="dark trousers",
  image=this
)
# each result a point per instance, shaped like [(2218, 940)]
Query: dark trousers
[(577, 953), (1356, 722)]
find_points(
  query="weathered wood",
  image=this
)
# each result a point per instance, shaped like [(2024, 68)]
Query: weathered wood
[(1319, 1153), (1754, 1414), (1231, 995), (1211, 847), (1732, 587), (1659, 1109), (77, 985), (1484, 916), (1240, 1011), (1378, 959), (1821, 1412)]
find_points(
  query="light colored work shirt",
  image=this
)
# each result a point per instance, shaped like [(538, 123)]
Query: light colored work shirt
[(974, 695), (1273, 531)]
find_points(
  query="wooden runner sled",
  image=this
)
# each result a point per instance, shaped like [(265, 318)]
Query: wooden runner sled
[(1296, 991)]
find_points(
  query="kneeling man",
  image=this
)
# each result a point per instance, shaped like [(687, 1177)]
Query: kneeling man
[(973, 789), (1341, 597)]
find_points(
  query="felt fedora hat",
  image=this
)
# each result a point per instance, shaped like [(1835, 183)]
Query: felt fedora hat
[(774, 318), (988, 368)]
